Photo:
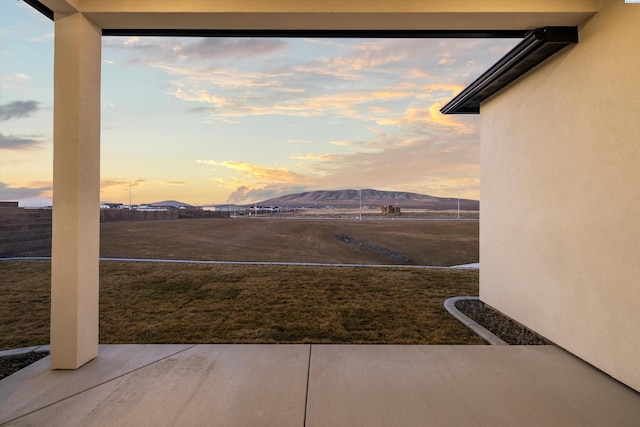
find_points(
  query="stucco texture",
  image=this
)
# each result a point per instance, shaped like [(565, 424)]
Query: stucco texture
[(560, 196)]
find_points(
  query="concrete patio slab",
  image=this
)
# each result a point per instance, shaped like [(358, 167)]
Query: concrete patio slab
[(462, 386), (38, 386), (231, 385), (320, 385)]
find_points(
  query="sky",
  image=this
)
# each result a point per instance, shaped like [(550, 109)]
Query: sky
[(240, 120)]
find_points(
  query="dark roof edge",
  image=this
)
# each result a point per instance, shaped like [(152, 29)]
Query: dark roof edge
[(40, 8), (36, 4), (318, 33), (535, 48)]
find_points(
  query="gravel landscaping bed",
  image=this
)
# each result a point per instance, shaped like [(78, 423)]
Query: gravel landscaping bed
[(505, 328), (11, 364)]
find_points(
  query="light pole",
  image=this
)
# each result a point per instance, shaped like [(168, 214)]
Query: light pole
[(458, 206), (129, 195), (360, 204)]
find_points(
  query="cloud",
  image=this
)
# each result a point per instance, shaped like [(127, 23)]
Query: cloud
[(224, 78), (255, 182), (297, 141), (174, 182), (131, 40), (109, 183), (419, 74), (320, 70), (239, 195), (252, 171), (12, 81), (366, 61), (247, 195), (18, 109), (217, 48), (436, 117), (234, 79), (421, 161), (429, 117), (274, 103), (41, 184), (154, 50), (446, 60), (13, 142), (15, 193), (429, 163), (228, 94), (311, 156), (342, 143)]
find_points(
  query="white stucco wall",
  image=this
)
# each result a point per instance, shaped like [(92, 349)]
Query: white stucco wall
[(560, 177)]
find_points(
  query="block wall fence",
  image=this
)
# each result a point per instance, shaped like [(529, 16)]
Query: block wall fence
[(27, 232), (24, 232)]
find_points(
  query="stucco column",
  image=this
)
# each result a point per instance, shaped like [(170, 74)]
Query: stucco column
[(76, 192)]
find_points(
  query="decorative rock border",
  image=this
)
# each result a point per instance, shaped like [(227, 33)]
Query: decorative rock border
[(25, 350), (488, 336)]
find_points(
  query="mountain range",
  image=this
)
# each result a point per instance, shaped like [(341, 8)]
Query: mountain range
[(351, 199)]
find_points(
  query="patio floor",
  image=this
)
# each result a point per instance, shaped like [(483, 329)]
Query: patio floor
[(319, 385)]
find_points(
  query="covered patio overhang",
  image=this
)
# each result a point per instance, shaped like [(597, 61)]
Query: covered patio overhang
[(325, 15), (79, 26)]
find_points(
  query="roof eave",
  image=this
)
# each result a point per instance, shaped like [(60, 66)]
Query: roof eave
[(535, 48)]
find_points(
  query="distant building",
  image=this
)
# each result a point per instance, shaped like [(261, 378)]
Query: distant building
[(169, 204), (224, 208), (390, 210), (148, 208)]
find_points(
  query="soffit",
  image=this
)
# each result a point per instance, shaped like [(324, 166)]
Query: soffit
[(328, 14)]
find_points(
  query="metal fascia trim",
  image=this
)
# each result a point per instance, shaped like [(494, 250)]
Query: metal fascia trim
[(282, 33), (40, 8), (536, 47)]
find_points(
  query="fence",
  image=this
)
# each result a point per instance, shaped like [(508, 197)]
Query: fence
[(24, 232), (27, 232)]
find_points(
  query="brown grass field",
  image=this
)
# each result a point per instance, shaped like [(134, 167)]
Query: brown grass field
[(190, 303), (440, 243)]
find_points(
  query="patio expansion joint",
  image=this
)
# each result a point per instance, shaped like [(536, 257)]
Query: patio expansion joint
[(306, 395), (98, 385)]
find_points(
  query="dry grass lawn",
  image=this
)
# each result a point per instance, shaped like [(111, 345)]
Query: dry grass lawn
[(424, 242), (188, 303)]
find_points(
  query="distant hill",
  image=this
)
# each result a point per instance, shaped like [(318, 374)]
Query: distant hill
[(170, 204), (351, 199)]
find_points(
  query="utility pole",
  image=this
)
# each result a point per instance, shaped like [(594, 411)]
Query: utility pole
[(458, 206), (360, 204), (129, 195)]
